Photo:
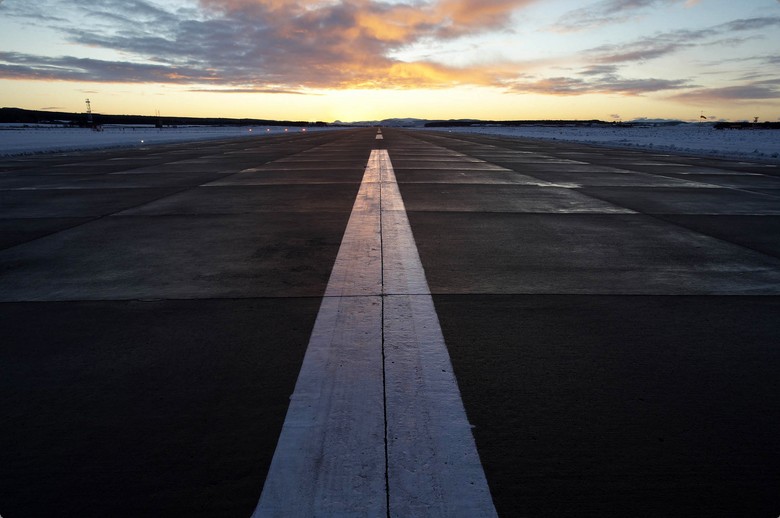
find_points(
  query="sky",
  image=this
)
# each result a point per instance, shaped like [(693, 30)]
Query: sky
[(358, 60)]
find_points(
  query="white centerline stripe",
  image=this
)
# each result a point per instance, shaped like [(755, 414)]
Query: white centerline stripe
[(330, 459), (433, 465)]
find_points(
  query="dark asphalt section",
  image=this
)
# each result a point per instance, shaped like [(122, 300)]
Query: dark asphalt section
[(621, 406), (184, 256), (154, 311), (613, 363), (660, 200), (16, 231), (130, 408), (74, 203), (630, 254), (755, 232)]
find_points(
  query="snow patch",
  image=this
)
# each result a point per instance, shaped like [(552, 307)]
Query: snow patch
[(17, 139), (694, 139)]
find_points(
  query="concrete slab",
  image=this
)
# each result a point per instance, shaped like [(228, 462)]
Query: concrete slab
[(664, 200), (621, 406), (623, 178), (557, 167), (253, 199), (672, 168), (206, 167), (446, 165), (266, 254), (302, 167), (583, 253), (102, 166), (424, 159), (75, 203), (760, 233), (739, 181), (501, 198), (17, 231), (130, 409), (279, 176), (105, 181), (767, 192), (463, 175)]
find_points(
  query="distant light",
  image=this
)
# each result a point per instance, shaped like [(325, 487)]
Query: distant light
[(303, 129), (142, 142), (250, 129), (268, 129), (285, 129)]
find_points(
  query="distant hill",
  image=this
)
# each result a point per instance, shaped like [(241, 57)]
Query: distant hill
[(510, 123), (387, 123), (22, 116), (459, 123), (644, 121)]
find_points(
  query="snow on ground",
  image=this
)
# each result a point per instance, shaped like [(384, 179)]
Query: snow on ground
[(16, 139), (695, 139)]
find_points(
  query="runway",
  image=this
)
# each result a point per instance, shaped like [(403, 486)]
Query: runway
[(610, 316)]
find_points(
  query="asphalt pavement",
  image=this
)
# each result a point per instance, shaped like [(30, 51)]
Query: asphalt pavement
[(612, 317)]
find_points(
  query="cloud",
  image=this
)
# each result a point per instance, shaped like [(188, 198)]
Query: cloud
[(596, 70), (618, 11), (295, 46), (609, 11), (566, 86), (253, 45), (390, 22), (748, 24), (638, 51), (248, 91), (15, 65), (666, 43), (739, 94), (602, 75)]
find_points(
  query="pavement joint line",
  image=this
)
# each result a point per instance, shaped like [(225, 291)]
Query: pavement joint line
[(384, 349), (376, 425), (92, 219)]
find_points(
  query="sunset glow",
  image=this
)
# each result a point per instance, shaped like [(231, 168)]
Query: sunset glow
[(368, 60)]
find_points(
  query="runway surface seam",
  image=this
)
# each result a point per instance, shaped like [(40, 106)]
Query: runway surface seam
[(384, 353)]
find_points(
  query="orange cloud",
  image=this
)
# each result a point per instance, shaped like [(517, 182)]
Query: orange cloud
[(403, 22), (480, 13), (282, 45), (347, 43)]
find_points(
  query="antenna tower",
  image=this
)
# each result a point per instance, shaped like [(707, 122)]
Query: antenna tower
[(89, 114)]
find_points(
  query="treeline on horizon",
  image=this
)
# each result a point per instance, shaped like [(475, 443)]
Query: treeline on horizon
[(22, 116), (747, 125), (81, 120)]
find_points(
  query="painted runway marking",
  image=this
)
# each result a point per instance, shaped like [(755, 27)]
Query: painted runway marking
[(376, 426), (433, 465)]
